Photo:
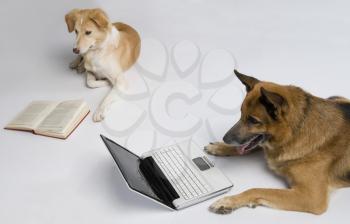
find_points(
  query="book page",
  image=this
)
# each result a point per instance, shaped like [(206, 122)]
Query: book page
[(59, 120), (32, 115)]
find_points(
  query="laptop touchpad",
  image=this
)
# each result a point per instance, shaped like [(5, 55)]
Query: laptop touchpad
[(201, 163)]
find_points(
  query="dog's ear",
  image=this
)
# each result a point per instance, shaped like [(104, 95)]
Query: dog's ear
[(99, 17), (248, 81), (274, 103), (71, 18)]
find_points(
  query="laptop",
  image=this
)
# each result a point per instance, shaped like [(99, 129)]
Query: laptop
[(176, 176)]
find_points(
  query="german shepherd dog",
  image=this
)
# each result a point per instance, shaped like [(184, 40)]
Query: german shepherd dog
[(305, 139)]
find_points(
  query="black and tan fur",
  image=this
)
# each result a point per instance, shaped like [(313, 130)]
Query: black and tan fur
[(305, 140)]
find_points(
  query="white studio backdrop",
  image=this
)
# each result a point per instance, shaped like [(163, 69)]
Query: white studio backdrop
[(182, 87)]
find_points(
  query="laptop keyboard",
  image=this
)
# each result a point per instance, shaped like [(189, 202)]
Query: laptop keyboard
[(172, 162)]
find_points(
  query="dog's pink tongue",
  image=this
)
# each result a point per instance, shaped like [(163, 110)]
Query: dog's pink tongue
[(241, 149)]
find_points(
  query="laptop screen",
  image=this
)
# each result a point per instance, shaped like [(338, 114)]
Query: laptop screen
[(128, 164)]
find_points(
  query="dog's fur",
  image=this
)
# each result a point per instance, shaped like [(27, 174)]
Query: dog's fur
[(305, 140), (105, 51)]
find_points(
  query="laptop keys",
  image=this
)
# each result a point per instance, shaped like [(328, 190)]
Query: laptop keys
[(173, 164)]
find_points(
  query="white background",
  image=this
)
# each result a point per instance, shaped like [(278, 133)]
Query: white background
[(44, 180)]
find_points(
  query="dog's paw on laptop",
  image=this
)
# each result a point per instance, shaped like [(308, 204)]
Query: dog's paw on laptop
[(220, 149)]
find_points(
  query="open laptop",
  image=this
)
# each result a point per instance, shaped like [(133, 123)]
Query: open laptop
[(176, 176)]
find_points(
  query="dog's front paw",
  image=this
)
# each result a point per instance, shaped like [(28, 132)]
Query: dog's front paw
[(213, 149), (220, 149), (99, 115), (228, 204), (223, 206), (81, 69), (73, 65)]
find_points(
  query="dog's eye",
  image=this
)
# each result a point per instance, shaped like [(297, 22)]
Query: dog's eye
[(87, 32), (252, 120), (76, 31)]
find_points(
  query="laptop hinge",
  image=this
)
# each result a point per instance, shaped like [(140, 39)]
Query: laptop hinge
[(157, 181)]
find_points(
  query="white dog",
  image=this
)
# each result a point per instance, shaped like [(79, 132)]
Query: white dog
[(105, 51)]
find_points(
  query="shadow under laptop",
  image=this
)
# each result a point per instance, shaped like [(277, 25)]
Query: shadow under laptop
[(119, 192)]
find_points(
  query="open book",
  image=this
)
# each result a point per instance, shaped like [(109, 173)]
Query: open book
[(53, 119)]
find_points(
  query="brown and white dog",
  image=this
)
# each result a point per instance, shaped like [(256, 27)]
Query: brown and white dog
[(305, 140), (105, 51)]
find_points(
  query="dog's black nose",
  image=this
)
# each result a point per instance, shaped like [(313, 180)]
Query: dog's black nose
[(76, 50)]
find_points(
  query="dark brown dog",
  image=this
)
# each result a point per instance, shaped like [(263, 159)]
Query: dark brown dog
[(306, 140)]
